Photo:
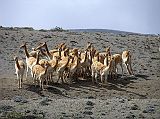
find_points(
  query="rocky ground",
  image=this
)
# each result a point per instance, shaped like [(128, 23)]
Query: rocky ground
[(128, 97)]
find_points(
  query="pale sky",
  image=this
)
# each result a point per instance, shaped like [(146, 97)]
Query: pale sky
[(140, 16)]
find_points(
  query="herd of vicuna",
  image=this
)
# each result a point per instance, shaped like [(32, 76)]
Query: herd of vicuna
[(70, 63)]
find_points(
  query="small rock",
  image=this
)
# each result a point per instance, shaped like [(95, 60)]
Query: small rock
[(90, 103), (122, 101), (145, 111), (34, 111), (5, 108), (149, 109), (141, 116), (29, 117), (27, 111), (107, 103), (91, 118), (88, 112), (42, 113), (43, 103), (89, 108), (17, 99), (20, 99), (90, 97), (131, 116), (134, 107), (63, 113), (24, 101)]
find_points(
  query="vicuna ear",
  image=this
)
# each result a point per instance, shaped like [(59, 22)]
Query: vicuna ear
[(15, 57)]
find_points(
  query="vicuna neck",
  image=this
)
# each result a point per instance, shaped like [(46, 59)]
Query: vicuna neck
[(48, 51), (90, 55), (56, 63), (107, 60), (37, 60), (17, 64), (59, 52), (67, 61), (46, 70), (76, 62), (110, 64), (26, 51), (85, 57)]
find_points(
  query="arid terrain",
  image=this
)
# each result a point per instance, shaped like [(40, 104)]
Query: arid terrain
[(128, 97)]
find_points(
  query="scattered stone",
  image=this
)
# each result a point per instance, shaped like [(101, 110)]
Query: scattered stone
[(17, 99), (78, 116), (141, 116), (90, 103), (45, 101), (107, 103), (88, 112), (89, 108), (90, 97), (131, 116), (42, 113), (149, 109), (6, 108), (122, 101), (134, 107), (63, 113), (30, 117), (34, 111), (14, 115), (27, 111), (103, 114), (47, 36), (91, 118), (20, 99)]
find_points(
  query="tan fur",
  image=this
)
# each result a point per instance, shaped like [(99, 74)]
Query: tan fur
[(73, 66), (20, 68), (39, 72), (85, 64), (126, 57), (117, 60), (61, 67), (29, 59)]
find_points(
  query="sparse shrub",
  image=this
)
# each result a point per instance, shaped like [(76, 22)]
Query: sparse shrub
[(28, 28), (57, 29), (43, 30), (14, 115)]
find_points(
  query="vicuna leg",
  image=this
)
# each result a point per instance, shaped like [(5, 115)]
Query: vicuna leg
[(105, 78), (18, 78), (127, 66), (26, 72), (101, 78), (96, 76), (93, 76), (130, 67), (121, 68)]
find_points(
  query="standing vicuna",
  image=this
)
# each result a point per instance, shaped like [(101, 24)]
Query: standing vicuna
[(20, 68), (39, 72), (126, 57), (62, 65), (104, 72), (30, 60), (99, 68)]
